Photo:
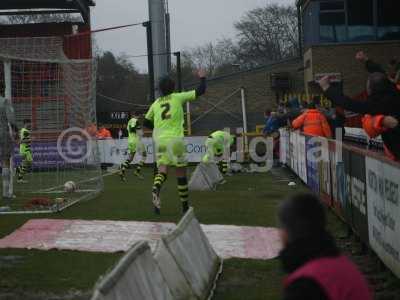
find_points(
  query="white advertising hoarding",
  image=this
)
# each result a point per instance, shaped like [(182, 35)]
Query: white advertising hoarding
[(302, 155), (383, 200), (284, 145), (116, 151), (294, 152)]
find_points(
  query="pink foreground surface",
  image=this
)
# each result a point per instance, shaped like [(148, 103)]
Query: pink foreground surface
[(116, 236)]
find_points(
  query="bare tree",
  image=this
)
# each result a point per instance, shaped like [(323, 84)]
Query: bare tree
[(267, 34), (264, 35), (211, 56), (118, 78)]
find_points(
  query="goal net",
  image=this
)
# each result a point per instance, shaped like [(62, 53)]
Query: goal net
[(54, 98)]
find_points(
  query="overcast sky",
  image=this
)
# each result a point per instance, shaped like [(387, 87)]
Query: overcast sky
[(193, 23)]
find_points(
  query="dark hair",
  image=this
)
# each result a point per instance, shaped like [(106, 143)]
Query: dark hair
[(134, 113), (302, 216), (267, 112), (393, 62), (311, 105), (27, 121), (379, 83), (167, 86), (316, 100), (294, 103)]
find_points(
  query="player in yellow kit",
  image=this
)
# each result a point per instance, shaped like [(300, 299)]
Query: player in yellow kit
[(217, 144), (25, 151), (135, 146), (166, 118)]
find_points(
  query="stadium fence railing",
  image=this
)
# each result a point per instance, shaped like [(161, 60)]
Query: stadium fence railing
[(360, 186)]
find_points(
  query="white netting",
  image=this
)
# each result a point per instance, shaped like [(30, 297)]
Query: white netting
[(33, 48), (58, 96)]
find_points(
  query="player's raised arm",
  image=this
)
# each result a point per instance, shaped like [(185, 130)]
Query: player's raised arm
[(194, 94)]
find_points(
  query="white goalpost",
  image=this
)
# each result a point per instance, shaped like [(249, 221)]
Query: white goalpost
[(54, 98)]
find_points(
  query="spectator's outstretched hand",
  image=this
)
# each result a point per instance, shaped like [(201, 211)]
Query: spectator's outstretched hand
[(201, 73), (324, 83), (361, 56), (390, 122)]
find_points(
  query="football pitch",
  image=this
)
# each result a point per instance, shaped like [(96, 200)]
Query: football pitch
[(49, 185), (246, 199)]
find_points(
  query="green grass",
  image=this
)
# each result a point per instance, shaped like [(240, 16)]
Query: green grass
[(49, 185), (247, 199), (249, 279)]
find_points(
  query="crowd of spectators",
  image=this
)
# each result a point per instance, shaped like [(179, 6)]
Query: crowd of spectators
[(381, 109), (303, 116)]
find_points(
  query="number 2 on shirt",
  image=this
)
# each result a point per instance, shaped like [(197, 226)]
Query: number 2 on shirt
[(165, 115)]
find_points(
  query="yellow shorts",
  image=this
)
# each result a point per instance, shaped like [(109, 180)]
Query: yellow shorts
[(171, 152), (27, 156), (136, 145)]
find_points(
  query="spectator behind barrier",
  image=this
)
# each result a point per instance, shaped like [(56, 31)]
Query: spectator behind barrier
[(313, 122), (91, 129), (103, 133), (337, 121), (294, 109), (310, 256), (273, 123), (267, 115), (383, 104)]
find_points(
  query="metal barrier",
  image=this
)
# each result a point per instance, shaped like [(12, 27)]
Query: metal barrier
[(183, 267), (136, 276), (361, 187), (195, 258)]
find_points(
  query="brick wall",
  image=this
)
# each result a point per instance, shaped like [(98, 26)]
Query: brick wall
[(259, 96), (341, 59)]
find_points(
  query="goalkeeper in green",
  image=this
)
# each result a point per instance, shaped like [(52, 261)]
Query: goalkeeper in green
[(25, 151), (166, 118), (135, 145), (218, 143)]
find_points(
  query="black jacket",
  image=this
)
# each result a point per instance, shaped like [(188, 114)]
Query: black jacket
[(382, 103), (298, 253)]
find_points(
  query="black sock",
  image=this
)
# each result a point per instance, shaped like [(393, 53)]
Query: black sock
[(126, 163), (139, 167), (223, 167), (159, 180), (183, 189)]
